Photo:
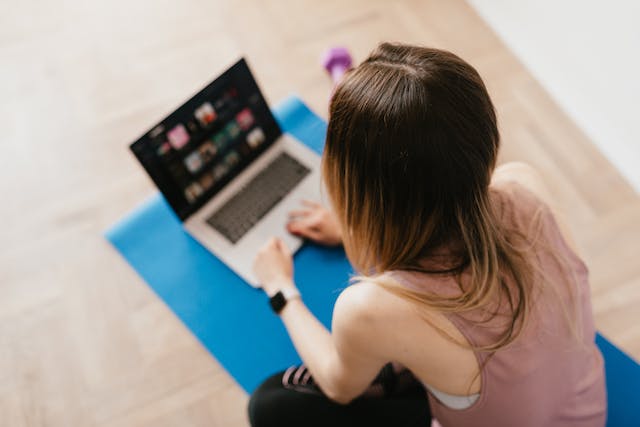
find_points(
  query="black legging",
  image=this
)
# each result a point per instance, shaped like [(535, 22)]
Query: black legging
[(291, 398)]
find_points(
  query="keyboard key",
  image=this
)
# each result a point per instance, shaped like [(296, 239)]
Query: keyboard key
[(247, 207)]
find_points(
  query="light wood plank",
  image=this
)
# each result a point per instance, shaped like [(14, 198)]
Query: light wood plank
[(83, 341)]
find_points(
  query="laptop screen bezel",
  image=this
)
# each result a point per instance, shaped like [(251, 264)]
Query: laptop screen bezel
[(238, 74)]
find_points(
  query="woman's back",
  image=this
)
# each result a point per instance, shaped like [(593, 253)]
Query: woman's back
[(492, 305), (552, 373)]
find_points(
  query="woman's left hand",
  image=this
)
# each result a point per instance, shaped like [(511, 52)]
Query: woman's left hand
[(273, 266)]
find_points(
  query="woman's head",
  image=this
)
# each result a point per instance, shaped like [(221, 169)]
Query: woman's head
[(411, 145)]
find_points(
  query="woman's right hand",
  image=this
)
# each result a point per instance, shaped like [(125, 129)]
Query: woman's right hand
[(315, 222)]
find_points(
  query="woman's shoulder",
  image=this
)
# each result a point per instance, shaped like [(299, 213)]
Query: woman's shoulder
[(360, 316), (363, 300), (522, 184), (369, 305), (373, 318), (377, 303), (524, 201), (517, 192)]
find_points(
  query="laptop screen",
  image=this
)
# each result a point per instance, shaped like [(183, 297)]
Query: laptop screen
[(204, 144)]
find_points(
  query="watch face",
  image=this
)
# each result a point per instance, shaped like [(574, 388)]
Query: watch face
[(277, 302)]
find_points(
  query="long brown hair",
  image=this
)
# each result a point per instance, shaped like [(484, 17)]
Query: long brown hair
[(411, 146)]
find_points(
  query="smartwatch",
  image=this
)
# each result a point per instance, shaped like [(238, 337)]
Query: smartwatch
[(280, 298)]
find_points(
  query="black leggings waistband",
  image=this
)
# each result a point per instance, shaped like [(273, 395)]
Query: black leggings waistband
[(291, 398)]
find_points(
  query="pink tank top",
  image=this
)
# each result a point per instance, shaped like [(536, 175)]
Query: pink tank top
[(546, 377)]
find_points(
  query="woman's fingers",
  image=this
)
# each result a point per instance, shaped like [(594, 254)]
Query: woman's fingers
[(309, 221), (284, 249), (314, 222), (297, 227), (306, 232), (300, 213), (274, 245), (269, 245), (307, 227)]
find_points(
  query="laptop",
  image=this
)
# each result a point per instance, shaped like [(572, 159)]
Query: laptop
[(228, 171)]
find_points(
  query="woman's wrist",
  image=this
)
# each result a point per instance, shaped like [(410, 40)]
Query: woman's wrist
[(281, 294), (292, 302), (272, 286)]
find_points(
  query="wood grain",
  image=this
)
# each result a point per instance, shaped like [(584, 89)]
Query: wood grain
[(83, 341)]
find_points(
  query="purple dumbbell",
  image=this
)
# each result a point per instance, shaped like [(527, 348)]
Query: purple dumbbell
[(337, 61)]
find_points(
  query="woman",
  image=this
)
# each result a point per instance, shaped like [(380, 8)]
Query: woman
[(468, 285)]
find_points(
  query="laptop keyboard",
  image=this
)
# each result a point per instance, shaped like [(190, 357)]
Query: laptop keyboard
[(257, 197)]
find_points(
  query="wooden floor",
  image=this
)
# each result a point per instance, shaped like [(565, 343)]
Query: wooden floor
[(83, 341)]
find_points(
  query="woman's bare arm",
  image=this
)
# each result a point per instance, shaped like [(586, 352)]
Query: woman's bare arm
[(343, 363)]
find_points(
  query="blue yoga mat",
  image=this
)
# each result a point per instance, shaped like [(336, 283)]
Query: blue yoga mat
[(234, 322), (231, 319), (623, 384)]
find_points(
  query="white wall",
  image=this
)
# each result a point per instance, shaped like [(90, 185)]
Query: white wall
[(587, 55)]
